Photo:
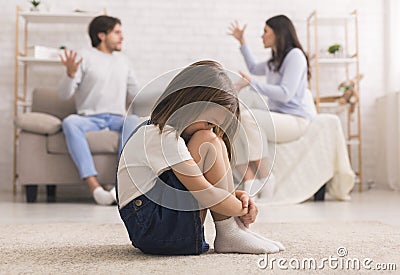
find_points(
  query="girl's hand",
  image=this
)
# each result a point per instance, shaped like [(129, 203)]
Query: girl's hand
[(237, 32), (244, 82), (244, 198), (251, 216), (69, 61)]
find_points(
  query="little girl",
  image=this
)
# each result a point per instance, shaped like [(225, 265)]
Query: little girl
[(176, 166)]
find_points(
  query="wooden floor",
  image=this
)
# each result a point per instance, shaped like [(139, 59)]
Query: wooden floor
[(377, 204)]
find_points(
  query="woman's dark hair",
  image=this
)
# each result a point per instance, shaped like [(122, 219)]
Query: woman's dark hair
[(285, 40), (101, 24), (193, 91)]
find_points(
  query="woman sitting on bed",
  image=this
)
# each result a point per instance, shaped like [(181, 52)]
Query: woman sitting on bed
[(287, 72)]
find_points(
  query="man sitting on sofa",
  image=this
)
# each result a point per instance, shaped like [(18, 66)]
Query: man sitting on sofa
[(101, 79)]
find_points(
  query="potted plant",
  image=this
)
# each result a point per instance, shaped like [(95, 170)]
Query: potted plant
[(35, 5), (335, 50)]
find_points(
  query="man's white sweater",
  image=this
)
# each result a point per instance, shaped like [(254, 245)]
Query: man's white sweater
[(101, 84)]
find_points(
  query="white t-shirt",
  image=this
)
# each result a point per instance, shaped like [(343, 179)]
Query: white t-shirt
[(146, 155)]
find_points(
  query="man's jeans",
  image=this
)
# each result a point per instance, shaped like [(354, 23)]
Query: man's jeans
[(75, 128)]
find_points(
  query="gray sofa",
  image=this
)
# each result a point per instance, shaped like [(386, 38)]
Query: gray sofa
[(42, 156)]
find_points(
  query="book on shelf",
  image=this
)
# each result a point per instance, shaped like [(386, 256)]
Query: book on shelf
[(42, 52)]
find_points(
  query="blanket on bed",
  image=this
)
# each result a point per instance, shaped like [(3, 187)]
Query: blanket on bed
[(305, 165)]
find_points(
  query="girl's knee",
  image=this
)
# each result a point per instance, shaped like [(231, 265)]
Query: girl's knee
[(203, 136), (205, 142)]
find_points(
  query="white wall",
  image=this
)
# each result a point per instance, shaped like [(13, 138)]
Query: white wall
[(163, 35)]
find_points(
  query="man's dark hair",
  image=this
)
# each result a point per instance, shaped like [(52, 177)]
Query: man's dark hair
[(101, 24)]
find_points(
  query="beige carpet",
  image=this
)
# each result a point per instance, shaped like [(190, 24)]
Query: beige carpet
[(89, 248)]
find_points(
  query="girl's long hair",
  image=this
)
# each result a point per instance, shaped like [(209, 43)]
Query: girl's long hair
[(201, 82), (285, 40)]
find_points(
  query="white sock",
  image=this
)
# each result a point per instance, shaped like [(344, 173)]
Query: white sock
[(241, 226), (102, 196), (267, 191), (230, 238), (113, 193)]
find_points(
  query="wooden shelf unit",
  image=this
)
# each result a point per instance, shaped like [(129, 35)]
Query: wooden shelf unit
[(350, 61)]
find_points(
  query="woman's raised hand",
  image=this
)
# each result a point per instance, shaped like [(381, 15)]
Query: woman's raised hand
[(243, 82), (237, 32), (69, 61)]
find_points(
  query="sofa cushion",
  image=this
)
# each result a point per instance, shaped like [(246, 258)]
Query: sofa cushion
[(100, 142), (46, 100), (38, 123)]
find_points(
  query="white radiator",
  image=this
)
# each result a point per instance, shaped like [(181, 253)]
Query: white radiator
[(388, 139)]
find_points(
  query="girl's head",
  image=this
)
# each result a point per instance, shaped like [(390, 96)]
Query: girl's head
[(201, 96), (280, 35)]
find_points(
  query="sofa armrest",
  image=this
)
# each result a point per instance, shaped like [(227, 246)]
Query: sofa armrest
[(38, 123)]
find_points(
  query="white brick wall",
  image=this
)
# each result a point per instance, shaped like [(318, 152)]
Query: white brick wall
[(163, 35)]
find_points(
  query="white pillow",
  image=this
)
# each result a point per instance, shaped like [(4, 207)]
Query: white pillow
[(39, 123)]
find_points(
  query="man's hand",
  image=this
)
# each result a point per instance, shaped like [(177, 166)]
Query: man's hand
[(69, 61), (237, 32)]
